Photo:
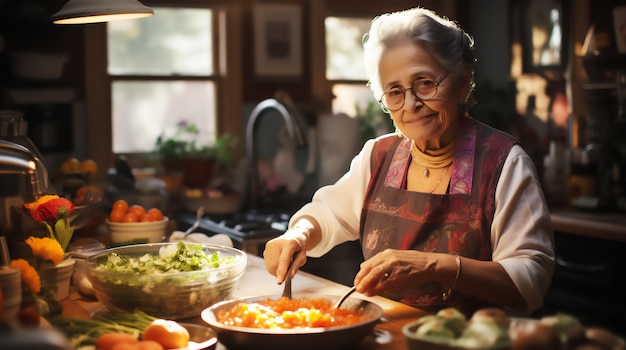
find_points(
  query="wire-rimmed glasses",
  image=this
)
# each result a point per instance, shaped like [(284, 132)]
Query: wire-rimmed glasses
[(423, 89)]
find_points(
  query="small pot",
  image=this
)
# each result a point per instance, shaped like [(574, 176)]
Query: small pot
[(59, 277)]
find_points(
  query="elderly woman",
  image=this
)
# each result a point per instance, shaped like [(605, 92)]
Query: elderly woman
[(449, 211)]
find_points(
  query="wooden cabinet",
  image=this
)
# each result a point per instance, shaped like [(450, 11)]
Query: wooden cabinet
[(42, 75), (588, 280)]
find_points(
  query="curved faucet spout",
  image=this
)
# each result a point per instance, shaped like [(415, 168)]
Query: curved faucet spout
[(293, 129), (17, 159)]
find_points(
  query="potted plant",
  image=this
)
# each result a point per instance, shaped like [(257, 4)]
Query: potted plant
[(198, 162)]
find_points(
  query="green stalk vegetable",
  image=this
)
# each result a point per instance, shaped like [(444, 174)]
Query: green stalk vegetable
[(86, 331)]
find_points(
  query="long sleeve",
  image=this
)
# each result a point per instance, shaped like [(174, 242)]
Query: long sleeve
[(337, 207), (521, 232)]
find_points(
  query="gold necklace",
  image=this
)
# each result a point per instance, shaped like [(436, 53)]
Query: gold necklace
[(437, 159), (440, 178)]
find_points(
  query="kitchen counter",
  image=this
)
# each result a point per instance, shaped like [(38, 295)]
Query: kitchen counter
[(607, 226), (257, 281)]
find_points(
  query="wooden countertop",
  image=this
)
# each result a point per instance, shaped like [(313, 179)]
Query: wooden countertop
[(608, 226), (257, 282)]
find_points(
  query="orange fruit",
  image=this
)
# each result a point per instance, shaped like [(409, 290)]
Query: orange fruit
[(120, 204), (148, 345), (155, 213), (108, 341), (87, 194), (71, 165), (146, 218), (138, 210), (170, 334), (130, 217), (117, 215), (89, 166), (123, 346)]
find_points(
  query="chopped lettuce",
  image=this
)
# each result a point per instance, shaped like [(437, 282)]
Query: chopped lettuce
[(179, 281), (179, 258)]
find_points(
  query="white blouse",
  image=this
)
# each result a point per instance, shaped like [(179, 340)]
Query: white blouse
[(521, 232)]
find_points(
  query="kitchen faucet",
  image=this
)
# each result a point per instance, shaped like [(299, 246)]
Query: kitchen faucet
[(293, 129), (16, 159), (23, 178)]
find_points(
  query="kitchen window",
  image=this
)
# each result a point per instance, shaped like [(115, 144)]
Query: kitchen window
[(162, 72), (345, 71)]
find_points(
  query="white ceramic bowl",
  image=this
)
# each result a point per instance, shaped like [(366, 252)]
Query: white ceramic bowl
[(125, 233)]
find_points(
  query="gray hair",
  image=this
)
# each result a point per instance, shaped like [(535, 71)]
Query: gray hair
[(441, 37)]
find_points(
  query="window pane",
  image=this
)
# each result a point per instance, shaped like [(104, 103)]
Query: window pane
[(144, 110), (352, 98), (344, 48), (357, 101), (173, 41)]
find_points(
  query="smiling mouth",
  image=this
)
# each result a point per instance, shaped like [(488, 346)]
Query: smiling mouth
[(419, 119)]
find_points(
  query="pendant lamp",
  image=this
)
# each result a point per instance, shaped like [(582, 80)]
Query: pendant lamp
[(95, 11)]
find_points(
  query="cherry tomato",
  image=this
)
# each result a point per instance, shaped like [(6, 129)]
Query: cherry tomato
[(28, 316), (117, 215), (138, 210), (155, 213), (130, 217), (120, 204)]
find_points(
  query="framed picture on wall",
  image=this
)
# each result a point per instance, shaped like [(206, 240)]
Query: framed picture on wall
[(277, 40), (545, 25)]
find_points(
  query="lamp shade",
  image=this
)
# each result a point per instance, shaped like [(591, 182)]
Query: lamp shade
[(94, 11)]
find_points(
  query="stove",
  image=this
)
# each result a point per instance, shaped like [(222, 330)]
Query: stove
[(249, 231)]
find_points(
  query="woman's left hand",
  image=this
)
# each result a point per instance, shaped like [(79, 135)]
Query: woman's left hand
[(393, 268)]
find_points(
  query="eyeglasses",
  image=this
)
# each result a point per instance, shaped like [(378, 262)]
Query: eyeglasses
[(423, 88)]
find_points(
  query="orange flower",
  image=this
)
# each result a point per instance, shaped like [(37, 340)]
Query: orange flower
[(46, 248), (40, 201), (29, 275), (51, 212), (34, 206), (49, 208)]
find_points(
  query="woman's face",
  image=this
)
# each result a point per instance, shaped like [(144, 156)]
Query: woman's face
[(432, 123)]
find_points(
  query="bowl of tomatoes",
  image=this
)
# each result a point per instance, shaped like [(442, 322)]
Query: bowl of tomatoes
[(134, 224)]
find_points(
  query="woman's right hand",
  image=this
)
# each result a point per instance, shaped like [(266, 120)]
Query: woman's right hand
[(280, 251)]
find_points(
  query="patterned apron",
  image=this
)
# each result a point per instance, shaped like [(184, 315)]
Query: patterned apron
[(458, 222)]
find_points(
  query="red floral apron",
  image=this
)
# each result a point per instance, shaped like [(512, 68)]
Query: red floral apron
[(458, 222)]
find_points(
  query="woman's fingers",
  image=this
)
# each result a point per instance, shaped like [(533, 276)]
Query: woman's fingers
[(279, 253), (372, 275)]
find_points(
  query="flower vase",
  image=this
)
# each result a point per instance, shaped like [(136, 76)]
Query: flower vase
[(58, 277)]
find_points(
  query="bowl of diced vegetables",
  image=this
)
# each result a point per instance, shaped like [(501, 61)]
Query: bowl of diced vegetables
[(166, 280)]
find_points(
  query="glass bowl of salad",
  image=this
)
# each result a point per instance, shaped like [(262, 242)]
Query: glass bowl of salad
[(165, 280)]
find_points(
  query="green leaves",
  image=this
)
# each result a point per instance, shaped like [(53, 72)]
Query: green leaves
[(86, 331), (185, 257), (63, 232), (184, 144)]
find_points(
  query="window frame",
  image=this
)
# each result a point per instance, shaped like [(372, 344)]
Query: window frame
[(98, 82), (350, 82), (139, 157)]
